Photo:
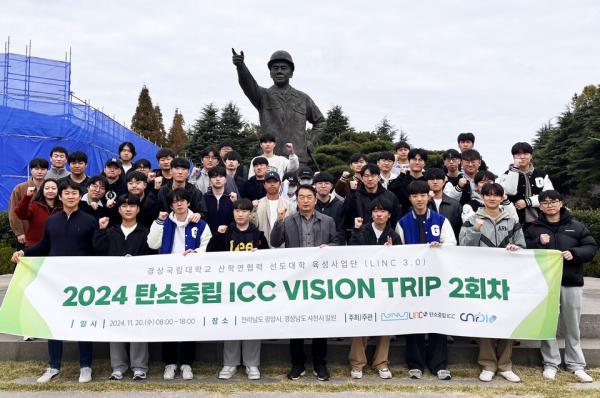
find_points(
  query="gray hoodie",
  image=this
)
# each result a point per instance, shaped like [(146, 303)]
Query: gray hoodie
[(495, 232)]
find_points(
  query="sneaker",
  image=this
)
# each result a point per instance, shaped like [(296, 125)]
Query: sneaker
[(356, 373), (252, 372), (510, 376), (486, 375), (296, 373), (139, 375), (582, 376), (27, 338), (169, 372), (49, 374), (227, 372), (321, 372), (186, 372), (549, 373), (444, 374), (116, 375), (85, 374), (384, 373), (415, 373)]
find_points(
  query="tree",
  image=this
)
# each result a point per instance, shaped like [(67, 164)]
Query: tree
[(385, 130), (204, 132), (144, 121), (162, 133), (177, 137), (337, 123)]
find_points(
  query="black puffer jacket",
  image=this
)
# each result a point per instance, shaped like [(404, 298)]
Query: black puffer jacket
[(566, 234), (112, 242), (366, 236)]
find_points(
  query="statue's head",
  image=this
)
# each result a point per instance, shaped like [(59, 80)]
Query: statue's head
[(281, 67)]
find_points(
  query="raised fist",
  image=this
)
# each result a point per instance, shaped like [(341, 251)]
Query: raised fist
[(353, 185), (163, 215), (103, 222), (158, 182), (462, 182), (233, 196), (30, 191), (358, 222), (255, 203), (544, 239), (478, 224), (238, 59), (289, 148), (222, 229), (281, 213)]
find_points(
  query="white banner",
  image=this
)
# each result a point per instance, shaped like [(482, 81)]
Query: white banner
[(287, 293)]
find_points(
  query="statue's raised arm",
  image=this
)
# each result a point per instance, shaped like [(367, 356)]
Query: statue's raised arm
[(283, 110)]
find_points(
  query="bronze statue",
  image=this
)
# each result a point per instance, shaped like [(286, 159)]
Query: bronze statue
[(283, 110)]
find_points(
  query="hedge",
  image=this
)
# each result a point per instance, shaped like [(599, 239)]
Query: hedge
[(591, 219), (6, 266)]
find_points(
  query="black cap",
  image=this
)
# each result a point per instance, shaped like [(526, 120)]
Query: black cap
[(305, 172), (113, 162), (323, 177), (272, 175)]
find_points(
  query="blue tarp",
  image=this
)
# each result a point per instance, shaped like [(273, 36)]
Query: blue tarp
[(31, 125)]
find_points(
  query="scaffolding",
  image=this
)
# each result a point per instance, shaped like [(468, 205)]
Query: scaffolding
[(39, 111)]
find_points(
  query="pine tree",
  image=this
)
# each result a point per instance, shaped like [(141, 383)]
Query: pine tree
[(385, 131), (337, 123), (144, 121), (162, 133), (231, 125), (204, 132), (177, 137)]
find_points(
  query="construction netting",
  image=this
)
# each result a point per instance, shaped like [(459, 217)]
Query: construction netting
[(37, 114)]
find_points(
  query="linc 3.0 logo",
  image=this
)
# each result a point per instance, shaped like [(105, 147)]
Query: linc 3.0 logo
[(402, 316)]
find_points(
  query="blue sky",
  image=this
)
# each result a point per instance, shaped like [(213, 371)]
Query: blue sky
[(499, 69)]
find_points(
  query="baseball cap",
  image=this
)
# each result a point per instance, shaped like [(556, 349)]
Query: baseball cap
[(113, 162), (272, 175)]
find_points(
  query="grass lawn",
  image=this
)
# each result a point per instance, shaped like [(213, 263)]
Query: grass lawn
[(20, 376)]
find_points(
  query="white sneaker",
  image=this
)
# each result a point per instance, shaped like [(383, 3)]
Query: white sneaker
[(227, 372), (582, 376), (116, 375), (384, 373), (356, 373), (27, 338), (139, 375), (486, 375), (510, 376), (169, 372), (49, 374), (85, 374), (415, 373), (252, 372), (549, 373), (186, 372), (444, 374)]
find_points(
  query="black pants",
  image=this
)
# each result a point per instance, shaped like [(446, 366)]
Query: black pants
[(319, 352), (432, 355), (183, 353)]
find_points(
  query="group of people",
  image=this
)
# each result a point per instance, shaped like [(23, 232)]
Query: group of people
[(131, 209)]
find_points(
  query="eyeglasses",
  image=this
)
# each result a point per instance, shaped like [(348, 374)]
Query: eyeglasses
[(548, 203)]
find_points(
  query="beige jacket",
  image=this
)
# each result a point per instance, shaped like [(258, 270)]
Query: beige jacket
[(260, 216)]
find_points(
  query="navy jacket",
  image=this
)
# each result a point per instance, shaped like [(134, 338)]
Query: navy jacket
[(66, 236)]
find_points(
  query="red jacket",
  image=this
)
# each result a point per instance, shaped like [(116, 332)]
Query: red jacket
[(36, 213)]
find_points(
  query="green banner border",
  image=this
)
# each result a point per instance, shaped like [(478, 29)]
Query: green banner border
[(17, 315), (541, 323)]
